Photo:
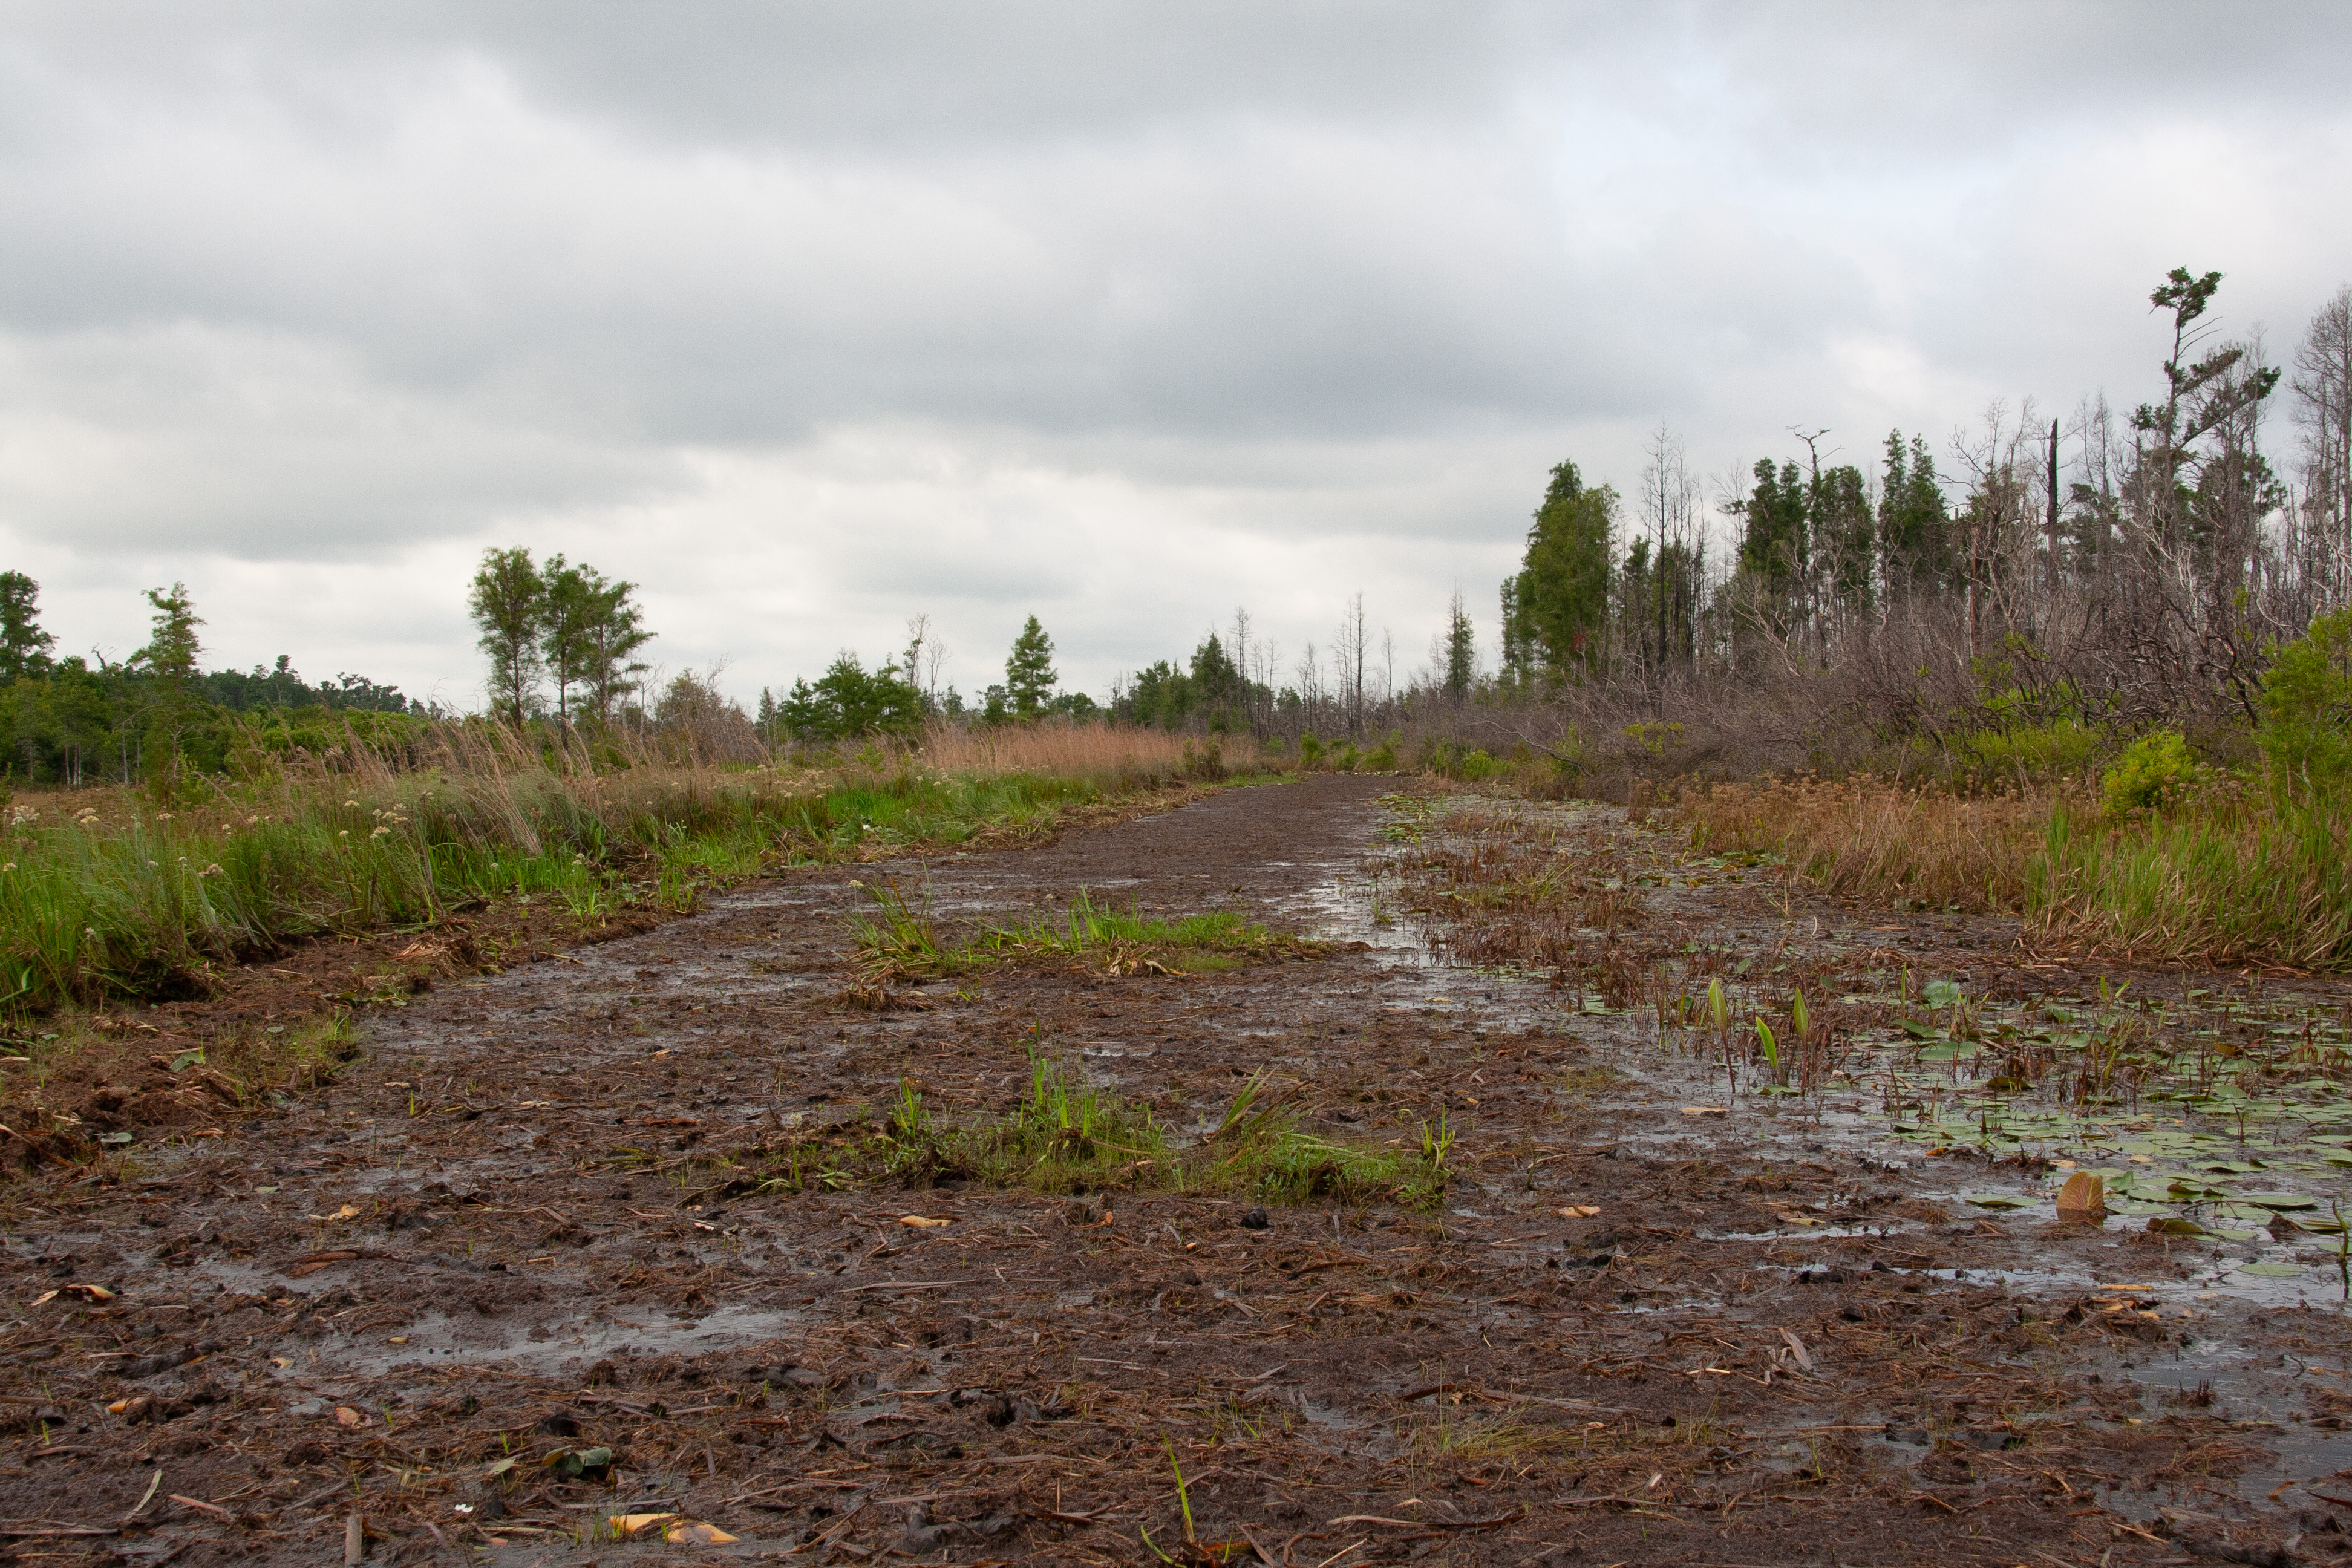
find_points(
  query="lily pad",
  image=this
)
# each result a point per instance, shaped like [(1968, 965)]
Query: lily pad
[(2273, 1271), (2278, 1200), (1998, 1201)]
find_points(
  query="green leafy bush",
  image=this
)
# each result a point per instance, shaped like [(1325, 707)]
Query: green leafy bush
[(2156, 771), (2306, 729)]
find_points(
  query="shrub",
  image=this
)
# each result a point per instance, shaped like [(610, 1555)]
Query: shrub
[(1310, 752), (2306, 729), (1382, 758), (2156, 771), (1207, 765)]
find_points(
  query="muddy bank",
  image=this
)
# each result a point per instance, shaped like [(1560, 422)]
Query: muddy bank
[(542, 1220)]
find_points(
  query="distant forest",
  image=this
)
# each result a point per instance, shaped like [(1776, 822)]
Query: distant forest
[(2094, 565)]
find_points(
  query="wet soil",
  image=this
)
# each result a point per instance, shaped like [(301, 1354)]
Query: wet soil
[(1652, 1322)]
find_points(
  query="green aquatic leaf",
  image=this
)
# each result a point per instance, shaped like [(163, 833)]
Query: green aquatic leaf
[(1941, 993), (2278, 1200), (1997, 1201), (2273, 1271)]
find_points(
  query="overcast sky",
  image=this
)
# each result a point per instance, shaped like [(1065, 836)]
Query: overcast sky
[(810, 318)]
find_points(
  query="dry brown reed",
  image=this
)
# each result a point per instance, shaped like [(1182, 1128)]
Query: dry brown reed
[(1112, 755), (1869, 838)]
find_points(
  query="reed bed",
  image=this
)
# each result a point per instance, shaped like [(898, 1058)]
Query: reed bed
[(2230, 876), (138, 894), (1869, 838)]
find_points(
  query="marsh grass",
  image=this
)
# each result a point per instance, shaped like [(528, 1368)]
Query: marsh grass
[(1066, 1136), (2230, 875), (2221, 883), (1868, 838), (896, 937), (112, 896)]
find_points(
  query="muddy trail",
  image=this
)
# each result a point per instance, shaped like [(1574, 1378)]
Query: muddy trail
[(580, 1263)]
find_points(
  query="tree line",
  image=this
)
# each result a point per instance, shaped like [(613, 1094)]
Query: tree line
[(71, 720), (2135, 562)]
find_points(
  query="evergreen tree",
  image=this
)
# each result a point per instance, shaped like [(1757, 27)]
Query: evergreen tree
[(1461, 652), (24, 646), (172, 648), (1558, 607), (1029, 673), (1915, 525), (1772, 548), (508, 603), (1843, 534), (848, 701), (615, 631)]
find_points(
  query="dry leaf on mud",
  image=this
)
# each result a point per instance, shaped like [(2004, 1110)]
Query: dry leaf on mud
[(1707, 1111), (87, 1292), (348, 1210), (630, 1523), (2083, 1197), (698, 1535), (347, 1416), (920, 1221), (1579, 1211)]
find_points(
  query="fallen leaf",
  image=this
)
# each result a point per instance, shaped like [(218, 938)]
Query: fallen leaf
[(45, 1296), (347, 1416), (571, 1462), (2084, 1198), (88, 1292), (1580, 1211), (698, 1534), (347, 1212), (1707, 1111), (1797, 1348), (118, 1407), (501, 1467), (920, 1222), (630, 1523)]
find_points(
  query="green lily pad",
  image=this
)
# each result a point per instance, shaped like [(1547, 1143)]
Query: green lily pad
[(2278, 1200), (1998, 1201), (2273, 1271)]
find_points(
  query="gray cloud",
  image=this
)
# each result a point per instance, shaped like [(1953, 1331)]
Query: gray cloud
[(809, 317)]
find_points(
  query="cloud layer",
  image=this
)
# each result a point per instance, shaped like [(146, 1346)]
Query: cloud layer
[(812, 317)]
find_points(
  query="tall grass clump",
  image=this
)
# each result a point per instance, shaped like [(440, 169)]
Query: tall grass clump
[(1872, 838), (2263, 882), (141, 894)]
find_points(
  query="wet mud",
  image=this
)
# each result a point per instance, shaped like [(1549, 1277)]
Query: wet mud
[(531, 1264)]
